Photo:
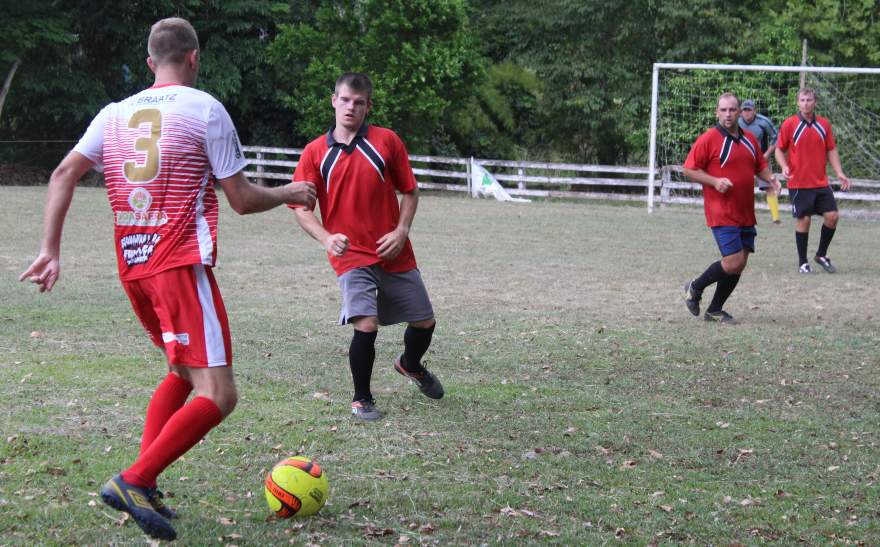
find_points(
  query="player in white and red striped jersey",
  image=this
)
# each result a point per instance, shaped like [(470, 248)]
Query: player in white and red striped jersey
[(162, 151)]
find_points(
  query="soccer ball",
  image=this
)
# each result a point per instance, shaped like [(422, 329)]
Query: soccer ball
[(296, 486)]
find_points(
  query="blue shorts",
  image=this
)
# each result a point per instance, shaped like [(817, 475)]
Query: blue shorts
[(733, 239)]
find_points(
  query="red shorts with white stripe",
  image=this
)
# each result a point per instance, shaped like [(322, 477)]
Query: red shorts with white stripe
[(183, 312)]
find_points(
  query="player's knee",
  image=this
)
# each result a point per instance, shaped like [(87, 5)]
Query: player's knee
[(734, 264), (365, 323), (225, 400), (424, 324), (831, 218)]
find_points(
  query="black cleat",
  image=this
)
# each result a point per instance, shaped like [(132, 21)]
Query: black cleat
[(692, 298), (805, 269), (365, 409), (427, 383), (720, 317), (155, 496), (826, 264), (135, 501)]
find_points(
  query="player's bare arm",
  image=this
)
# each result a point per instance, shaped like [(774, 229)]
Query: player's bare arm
[(783, 164), (45, 269), (722, 184), (245, 197), (768, 175), (834, 160), (393, 242), (335, 244)]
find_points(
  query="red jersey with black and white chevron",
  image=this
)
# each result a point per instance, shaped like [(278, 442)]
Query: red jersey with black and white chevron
[(807, 145), (737, 158), (356, 186), (161, 151)]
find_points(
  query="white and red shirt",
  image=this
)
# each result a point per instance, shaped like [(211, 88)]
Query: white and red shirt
[(161, 151), (356, 186), (737, 158), (807, 145)]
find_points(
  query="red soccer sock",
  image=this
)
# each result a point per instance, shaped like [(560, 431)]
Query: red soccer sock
[(166, 400), (182, 431)]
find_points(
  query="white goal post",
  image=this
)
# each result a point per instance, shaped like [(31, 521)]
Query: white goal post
[(873, 116)]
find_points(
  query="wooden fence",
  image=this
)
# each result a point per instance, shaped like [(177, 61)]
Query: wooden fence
[(538, 179)]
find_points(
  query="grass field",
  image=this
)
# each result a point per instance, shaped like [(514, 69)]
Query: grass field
[(584, 404)]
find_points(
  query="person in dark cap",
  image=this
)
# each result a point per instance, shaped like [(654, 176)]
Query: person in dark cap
[(764, 131)]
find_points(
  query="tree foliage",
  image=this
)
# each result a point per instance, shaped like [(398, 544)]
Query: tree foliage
[(417, 52), (558, 80)]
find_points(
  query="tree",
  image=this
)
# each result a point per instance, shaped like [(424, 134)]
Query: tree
[(417, 52), (78, 55), (25, 34), (595, 57)]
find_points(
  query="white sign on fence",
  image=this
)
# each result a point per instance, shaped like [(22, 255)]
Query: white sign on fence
[(483, 184)]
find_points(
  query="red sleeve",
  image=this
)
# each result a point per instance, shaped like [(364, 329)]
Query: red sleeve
[(308, 170), (699, 156), (760, 160), (784, 138), (400, 170), (829, 138)]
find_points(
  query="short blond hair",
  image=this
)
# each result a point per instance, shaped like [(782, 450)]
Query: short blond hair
[(807, 91), (171, 40), (729, 95)]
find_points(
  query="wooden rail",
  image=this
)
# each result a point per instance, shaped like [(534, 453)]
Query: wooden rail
[(538, 179)]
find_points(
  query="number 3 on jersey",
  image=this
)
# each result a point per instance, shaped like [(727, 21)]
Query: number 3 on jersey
[(147, 171)]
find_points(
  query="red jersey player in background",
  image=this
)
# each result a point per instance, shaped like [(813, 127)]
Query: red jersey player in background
[(805, 141), (162, 151), (357, 168), (725, 160)]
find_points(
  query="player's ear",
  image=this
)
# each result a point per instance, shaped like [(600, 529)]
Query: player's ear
[(193, 58), (151, 64)]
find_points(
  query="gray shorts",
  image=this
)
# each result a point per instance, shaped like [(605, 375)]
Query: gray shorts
[(392, 297)]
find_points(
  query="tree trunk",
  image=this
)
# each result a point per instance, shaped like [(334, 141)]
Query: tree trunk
[(8, 84)]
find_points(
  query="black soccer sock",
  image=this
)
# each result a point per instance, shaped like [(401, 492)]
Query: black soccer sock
[(723, 291), (713, 274), (415, 344), (825, 240), (801, 239), (361, 355)]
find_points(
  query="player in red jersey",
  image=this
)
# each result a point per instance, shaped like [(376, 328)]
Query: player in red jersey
[(161, 151), (805, 142), (725, 160), (357, 168)]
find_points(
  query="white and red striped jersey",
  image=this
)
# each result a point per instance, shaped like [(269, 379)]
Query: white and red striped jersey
[(161, 151)]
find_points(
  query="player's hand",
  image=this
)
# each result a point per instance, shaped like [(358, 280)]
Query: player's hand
[(336, 244), (723, 184), (786, 172), (392, 243), (844, 182), (777, 186), (301, 193), (43, 271)]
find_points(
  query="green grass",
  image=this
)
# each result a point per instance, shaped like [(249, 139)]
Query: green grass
[(584, 405)]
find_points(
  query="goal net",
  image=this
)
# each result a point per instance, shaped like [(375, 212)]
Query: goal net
[(685, 97)]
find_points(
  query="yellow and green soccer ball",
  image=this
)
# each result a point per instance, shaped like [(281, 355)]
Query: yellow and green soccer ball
[(296, 486)]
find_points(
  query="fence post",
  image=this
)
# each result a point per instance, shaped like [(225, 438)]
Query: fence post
[(521, 184), (665, 177), (260, 180), (469, 175)]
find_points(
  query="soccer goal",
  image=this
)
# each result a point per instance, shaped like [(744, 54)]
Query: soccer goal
[(684, 97)]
